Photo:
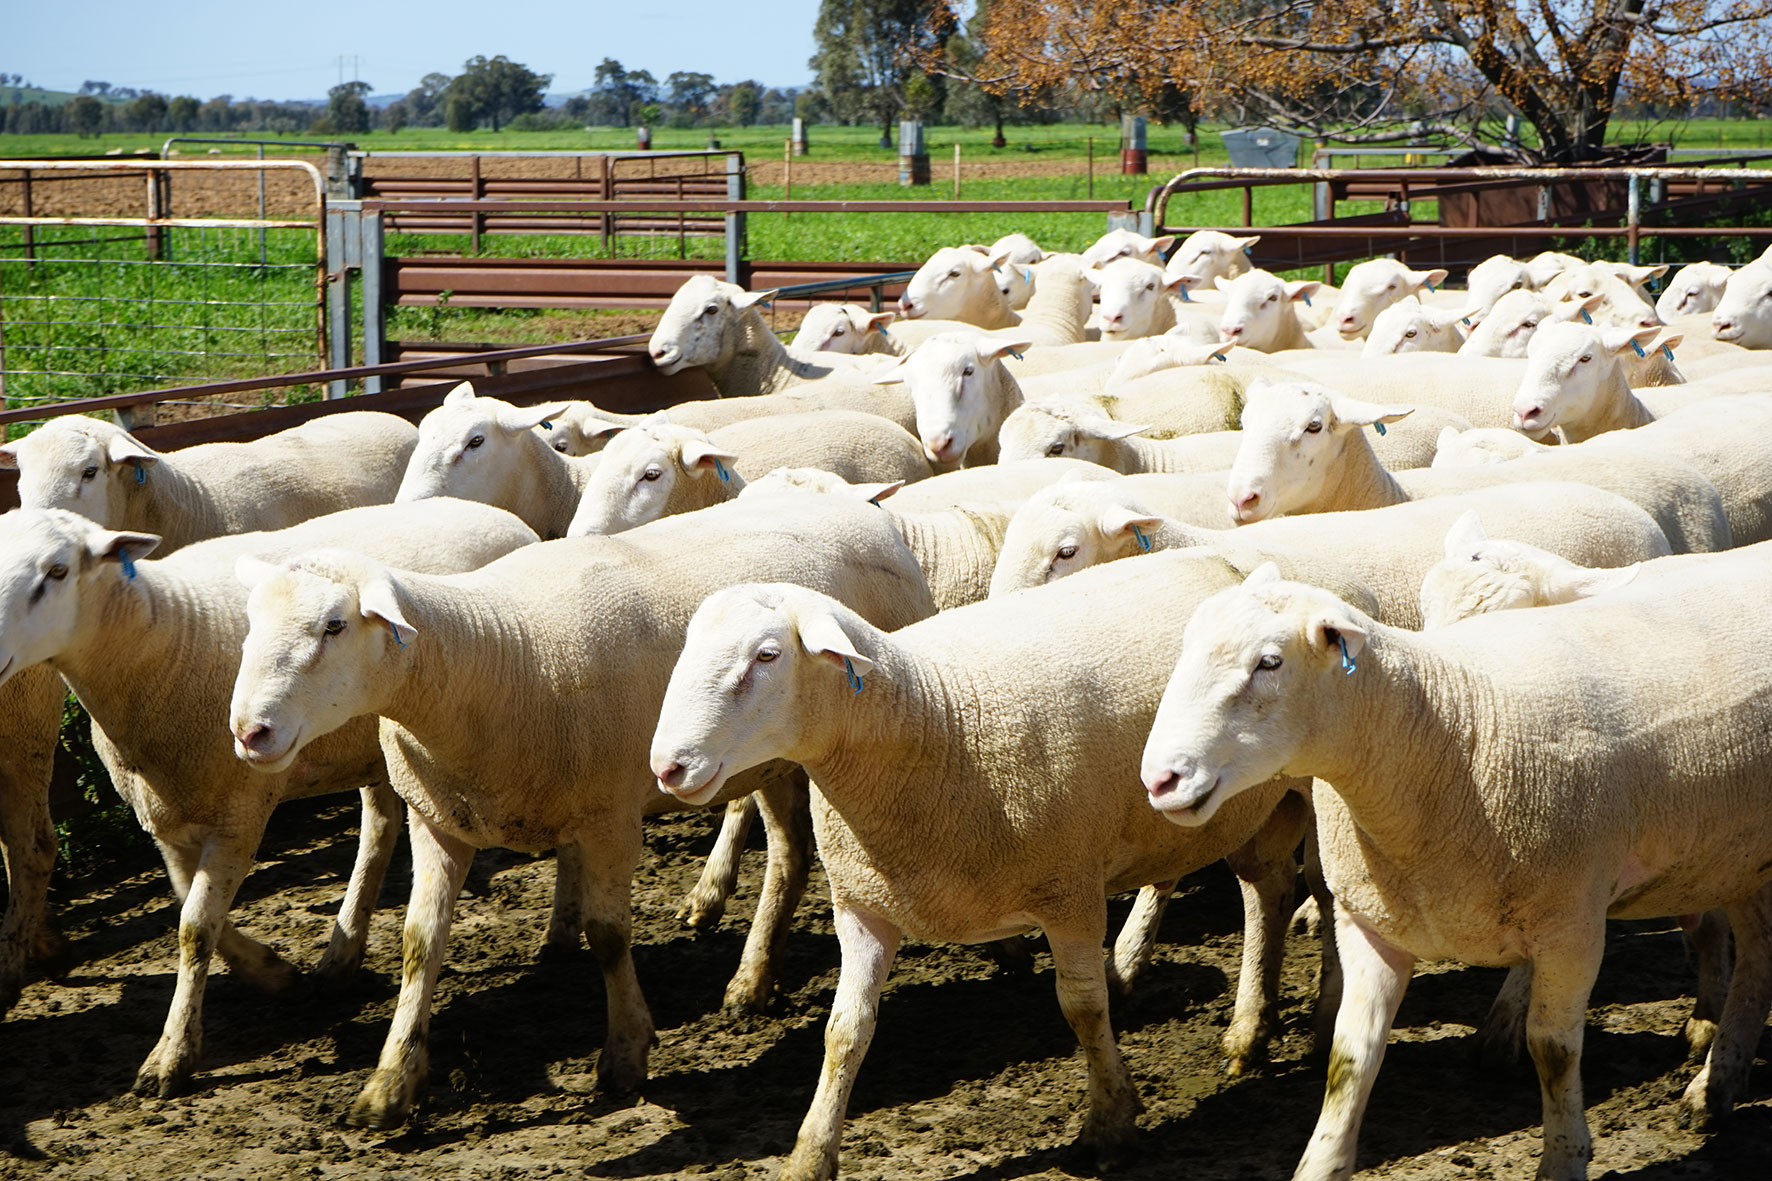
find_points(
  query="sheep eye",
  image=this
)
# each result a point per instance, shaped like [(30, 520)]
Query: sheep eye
[(89, 473), (707, 311), (1270, 299), (475, 442), (767, 655), (838, 332), (1313, 427), (1055, 449), (1270, 661), (1584, 295), (560, 446), (651, 474), (1067, 552), (1585, 358), (1409, 335), (1516, 286), (57, 572), (334, 626), (953, 274), (966, 372)]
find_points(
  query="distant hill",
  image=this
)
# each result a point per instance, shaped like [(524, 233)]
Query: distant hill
[(49, 98)]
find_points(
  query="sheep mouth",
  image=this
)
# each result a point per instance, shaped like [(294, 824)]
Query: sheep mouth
[(1732, 332), (1188, 808), (6, 668), (698, 793), (268, 760)]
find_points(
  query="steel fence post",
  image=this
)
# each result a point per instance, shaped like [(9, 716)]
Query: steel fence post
[(369, 229), (1633, 214), (735, 221), (338, 296)]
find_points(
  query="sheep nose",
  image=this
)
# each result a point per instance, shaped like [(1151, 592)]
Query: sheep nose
[(1246, 503), (941, 448), (906, 305), (1235, 332), (1162, 785), (255, 737), (671, 774), (1112, 321)]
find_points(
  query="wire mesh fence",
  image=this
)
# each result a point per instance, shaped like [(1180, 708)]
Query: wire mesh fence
[(87, 311)]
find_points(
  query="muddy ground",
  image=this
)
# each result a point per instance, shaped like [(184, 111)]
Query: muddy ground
[(973, 1073)]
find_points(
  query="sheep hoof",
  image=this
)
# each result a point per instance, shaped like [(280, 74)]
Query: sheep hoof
[(747, 997), (702, 914), (380, 1105), (153, 1081), (335, 977), (809, 1164), (1106, 1150), (1699, 1035), (558, 954)]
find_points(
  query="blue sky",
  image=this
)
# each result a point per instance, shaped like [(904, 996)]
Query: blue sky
[(248, 47)]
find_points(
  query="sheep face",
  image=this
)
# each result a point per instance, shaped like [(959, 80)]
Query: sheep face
[(752, 656), (1480, 575), (473, 448), (1608, 298), (578, 432), (1508, 328), (1293, 437), (1127, 244), (1236, 712), (1130, 292), (1204, 256), (1481, 445), (47, 560), (1695, 288), (647, 473), (1371, 287), (1069, 527), (951, 283), (1408, 327), (839, 328), (1174, 349), (1494, 278), (1044, 432), (84, 465), (1257, 306), (952, 379), (700, 326), (1570, 371), (319, 632), (1744, 314)]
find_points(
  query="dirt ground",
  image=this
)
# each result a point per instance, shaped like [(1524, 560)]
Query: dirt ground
[(973, 1073)]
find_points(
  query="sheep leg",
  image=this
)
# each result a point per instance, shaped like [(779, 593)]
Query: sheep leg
[(787, 818), (377, 834), (705, 904), (566, 926), (1137, 940), (1329, 962), (1709, 937), (1266, 868), (439, 867), (1503, 1033), (1562, 979), (1374, 977), (608, 893), (1723, 1078), (1108, 1129), (868, 944), (30, 718), (211, 875)]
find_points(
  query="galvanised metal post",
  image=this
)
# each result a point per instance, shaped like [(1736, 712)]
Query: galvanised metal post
[(338, 291), (1633, 214), (735, 222), (375, 329)]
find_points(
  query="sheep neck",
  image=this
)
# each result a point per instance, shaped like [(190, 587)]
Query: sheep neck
[(170, 503), (756, 362), (1060, 308), (1617, 408), (1358, 480), (957, 549), (1288, 333), (548, 486)]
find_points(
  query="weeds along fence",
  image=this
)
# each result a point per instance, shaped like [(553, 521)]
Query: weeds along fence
[(108, 285)]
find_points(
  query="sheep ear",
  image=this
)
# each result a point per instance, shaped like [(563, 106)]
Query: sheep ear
[(9, 455), (1466, 532), (1246, 243), (379, 600), (1222, 283), (1671, 341), (597, 428), (1161, 245), (126, 448), (1448, 437), (250, 571), (875, 493), (1108, 428), (700, 456), (1263, 575), (517, 419), (463, 392), (107, 546), (1301, 289), (877, 321), (1580, 582), (1095, 275), (1334, 629), (998, 256), (1618, 340), (892, 376), (1119, 521), (1429, 278), (991, 349), (1351, 412), (825, 638), (745, 299)]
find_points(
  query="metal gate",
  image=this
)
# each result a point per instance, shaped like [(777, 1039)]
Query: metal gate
[(92, 304)]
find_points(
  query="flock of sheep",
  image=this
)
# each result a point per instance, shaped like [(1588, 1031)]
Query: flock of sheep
[(536, 626)]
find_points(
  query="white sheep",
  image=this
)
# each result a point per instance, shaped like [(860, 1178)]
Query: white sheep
[(1017, 253), (1305, 450), (151, 648), (485, 449), (958, 283), (1494, 278), (101, 471), (961, 393), (30, 721), (1508, 326), (967, 825), (1204, 256), (535, 745), (845, 328), (1134, 298), (1121, 243), (1544, 795), (1477, 389), (1072, 526), (716, 326), (1543, 268), (1695, 288), (582, 428), (1744, 315), (1058, 308), (1575, 381), (1615, 299), (652, 471), (1408, 326), (1260, 312), (1370, 287)]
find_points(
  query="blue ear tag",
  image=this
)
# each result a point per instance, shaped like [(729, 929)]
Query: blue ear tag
[(724, 477), (1185, 297), (1585, 318), (1027, 274), (1638, 347), (546, 425), (398, 642), (1307, 301), (1379, 427), (883, 331), (1249, 250), (128, 565), (1144, 543), (141, 473), (1015, 354), (849, 672), (1347, 662), (1215, 357), (1667, 352), (1432, 288), (1467, 321)]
